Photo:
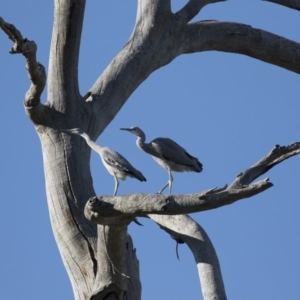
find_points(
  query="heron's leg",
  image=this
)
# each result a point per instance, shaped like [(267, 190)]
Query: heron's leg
[(163, 187), (169, 183), (116, 185)]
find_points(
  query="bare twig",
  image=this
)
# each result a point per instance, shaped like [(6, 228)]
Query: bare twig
[(35, 70)]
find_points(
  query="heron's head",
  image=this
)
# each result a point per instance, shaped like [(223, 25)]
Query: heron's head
[(135, 130), (77, 131)]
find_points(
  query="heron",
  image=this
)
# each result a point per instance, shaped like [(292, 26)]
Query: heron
[(168, 154), (116, 164)]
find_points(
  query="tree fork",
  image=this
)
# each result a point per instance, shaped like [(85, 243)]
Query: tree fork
[(159, 36)]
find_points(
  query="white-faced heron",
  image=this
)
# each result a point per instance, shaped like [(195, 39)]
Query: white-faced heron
[(117, 165), (167, 154)]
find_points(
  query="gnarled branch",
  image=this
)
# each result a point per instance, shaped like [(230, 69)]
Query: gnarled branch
[(36, 71), (101, 209)]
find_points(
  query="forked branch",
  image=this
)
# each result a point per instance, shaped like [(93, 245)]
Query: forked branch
[(36, 71), (101, 209), (169, 212), (160, 36), (274, 157)]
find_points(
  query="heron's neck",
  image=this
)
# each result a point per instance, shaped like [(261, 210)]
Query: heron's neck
[(141, 143), (91, 143)]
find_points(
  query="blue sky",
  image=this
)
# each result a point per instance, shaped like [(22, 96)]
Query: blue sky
[(226, 109)]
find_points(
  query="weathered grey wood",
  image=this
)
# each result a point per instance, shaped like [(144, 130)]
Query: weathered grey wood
[(166, 210), (159, 36), (101, 209), (183, 228), (36, 71), (63, 88), (242, 39), (110, 256)]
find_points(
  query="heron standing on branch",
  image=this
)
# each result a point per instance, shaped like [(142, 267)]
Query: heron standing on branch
[(117, 165), (167, 154)]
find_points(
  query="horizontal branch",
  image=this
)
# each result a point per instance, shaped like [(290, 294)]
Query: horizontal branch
[(294, 4), (102, 209), (35, 70), (242, 39)]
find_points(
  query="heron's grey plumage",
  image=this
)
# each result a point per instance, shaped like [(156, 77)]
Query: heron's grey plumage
[(116, 164), (168, 154)]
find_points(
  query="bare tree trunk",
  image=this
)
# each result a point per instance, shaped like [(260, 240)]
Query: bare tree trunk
[(100, 259)]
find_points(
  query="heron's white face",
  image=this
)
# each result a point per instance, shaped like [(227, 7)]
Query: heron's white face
[(134, 130), (137, 131)]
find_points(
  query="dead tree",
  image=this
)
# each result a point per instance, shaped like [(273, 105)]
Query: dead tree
[(99, 255)]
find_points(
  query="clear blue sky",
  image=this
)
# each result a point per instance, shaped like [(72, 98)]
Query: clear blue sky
[(228, 110)]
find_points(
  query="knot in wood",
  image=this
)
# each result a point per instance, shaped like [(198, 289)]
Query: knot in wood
[(94, 203)]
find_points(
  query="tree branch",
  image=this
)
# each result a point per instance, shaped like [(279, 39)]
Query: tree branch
[(243, 39), (153, 9), (185, 229), (118, 267), (134, 287), (111, 259), (63, 85), (294, 4), (36, 71), (192, 8), (145, 52), (274, 157), (102, 209), (151, 47)]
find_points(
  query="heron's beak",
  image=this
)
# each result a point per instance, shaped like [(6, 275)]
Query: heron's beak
[(127, 129)]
